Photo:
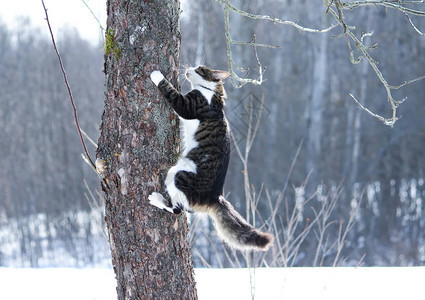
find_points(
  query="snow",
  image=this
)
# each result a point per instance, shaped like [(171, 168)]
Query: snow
[(57, 283), (313, 283), (274, 283)]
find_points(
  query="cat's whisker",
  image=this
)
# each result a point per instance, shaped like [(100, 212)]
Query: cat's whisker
[(182, 72), (184, 80), (185, 67)]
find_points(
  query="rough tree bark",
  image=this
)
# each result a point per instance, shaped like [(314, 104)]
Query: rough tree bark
[(150, 250)]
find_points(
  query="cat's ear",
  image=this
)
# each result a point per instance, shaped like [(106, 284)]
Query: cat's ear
[(220, 74)]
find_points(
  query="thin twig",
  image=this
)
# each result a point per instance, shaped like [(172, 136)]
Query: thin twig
[(88, 138), (288, 176), (69, 90), (95, 206), (94, 16), (382, 119), (274, 20), (253, 44), (390, 4), (236, 80), (396, 87), (413, 25)]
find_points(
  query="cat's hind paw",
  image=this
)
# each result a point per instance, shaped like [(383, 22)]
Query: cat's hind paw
[(156, 199), (157, 77)]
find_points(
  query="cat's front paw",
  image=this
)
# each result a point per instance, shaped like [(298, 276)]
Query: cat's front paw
[(157, 77), (156, 199)]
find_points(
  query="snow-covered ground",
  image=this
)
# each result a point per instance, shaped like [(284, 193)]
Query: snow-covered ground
[(313, 283), (279, 283)]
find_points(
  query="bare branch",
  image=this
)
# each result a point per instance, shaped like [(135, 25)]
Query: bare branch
[(390, 4), (253, 44), (238, 81), (273, 19), (89, 138), (388, 122), (339, 16), (413, 25), (335, 8), (87, 156)]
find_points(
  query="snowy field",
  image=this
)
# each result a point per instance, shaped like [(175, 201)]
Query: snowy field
[(289, 283)]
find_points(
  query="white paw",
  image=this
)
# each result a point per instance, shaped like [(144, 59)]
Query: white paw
[(156, 199), (157, 77)]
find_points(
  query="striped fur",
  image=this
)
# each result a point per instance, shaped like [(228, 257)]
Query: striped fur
[(195, 183)]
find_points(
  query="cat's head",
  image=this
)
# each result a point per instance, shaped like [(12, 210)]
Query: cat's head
[(202, 76)]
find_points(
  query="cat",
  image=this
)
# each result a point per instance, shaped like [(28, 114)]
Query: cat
[(195, 183)]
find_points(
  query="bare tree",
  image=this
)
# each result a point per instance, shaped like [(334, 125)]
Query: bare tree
[(138, 142)]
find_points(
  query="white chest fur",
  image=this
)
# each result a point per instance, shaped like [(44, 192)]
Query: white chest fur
[(188, 130), (206, 92)]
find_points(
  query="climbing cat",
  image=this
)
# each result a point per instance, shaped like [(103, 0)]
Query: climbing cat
[(195, 183)]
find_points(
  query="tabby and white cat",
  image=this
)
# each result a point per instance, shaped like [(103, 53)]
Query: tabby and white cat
[(195, 183)]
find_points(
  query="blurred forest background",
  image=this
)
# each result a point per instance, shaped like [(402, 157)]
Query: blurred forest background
[(313, 142)]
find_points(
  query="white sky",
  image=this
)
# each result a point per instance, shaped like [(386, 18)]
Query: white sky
[(62, 14)]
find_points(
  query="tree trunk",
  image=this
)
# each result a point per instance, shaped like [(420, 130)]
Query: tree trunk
[(315, 109), (150, 249)]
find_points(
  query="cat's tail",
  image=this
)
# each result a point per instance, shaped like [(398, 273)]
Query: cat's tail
[(235, 231)]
